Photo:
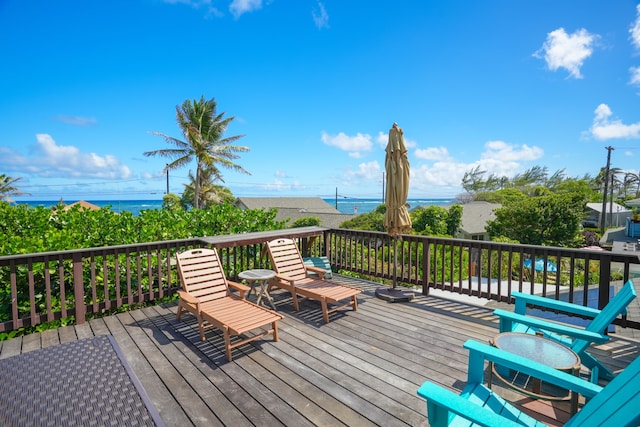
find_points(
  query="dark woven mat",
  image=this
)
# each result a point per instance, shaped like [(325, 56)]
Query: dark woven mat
[(80, 383)]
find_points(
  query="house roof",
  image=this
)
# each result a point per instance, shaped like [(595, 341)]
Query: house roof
[(616, 208), (475, 216), (292, 208), (83, 205)]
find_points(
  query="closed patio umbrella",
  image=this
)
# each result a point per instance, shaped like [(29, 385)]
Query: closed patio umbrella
[(396, 218)]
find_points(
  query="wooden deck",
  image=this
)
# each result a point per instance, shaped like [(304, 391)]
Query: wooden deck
[(363, 368)]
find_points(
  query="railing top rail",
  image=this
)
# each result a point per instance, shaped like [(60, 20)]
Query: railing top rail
[(228, 240), (4, 260), (231, 240)]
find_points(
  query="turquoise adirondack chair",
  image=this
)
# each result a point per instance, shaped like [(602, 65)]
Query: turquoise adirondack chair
[(613, 405), (578, 339)]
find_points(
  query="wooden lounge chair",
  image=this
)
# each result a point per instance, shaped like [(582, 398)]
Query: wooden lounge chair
[(292, 275), (614, 405), (206, 294), (578, 339)]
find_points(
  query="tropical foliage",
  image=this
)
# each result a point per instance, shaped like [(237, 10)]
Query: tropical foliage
[(31, 230), (550, 220)]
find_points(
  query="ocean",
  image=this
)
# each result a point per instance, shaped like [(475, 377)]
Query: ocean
[(344, 205)]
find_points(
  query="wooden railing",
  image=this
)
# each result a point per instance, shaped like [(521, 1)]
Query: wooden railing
[(77, 284)]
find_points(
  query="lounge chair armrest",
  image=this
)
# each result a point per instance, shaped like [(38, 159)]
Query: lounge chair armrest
[(507, 318), (319, 271), (243, 289), (479, 353), (284, 278), (188, 297), (522, 299), (441, 401)]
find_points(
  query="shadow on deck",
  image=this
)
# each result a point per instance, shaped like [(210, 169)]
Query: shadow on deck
[(363, 368)]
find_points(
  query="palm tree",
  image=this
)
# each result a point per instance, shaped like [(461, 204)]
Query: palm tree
[(8, 189), (203, 129), (630, 179)]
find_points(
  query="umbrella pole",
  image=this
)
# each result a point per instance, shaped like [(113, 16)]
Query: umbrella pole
[(394, 294), (395, 261)]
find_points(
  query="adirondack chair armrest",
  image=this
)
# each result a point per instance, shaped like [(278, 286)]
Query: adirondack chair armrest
[(441, 402), (522, 299), (507, 318), (188, 298), (480, 352), (242, 289), (319, 271)]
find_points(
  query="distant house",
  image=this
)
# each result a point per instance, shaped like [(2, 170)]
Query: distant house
[(475, 216), (633, 203), (616, 215), (83, 205), (292, 208)]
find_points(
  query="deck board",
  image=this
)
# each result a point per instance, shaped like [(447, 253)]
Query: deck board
[(361, 369)]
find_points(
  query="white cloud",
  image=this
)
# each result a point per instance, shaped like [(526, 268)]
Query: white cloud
[(568, 51), (280, 174), (198, 4), (635, 76), (635, 29), (281, 186), (432, 153), (48, 159), (77, 120), (320, 16), (369, 170), (440, 174), (501, 151), (366, 172), (353, 144), (604, 128), (499, 158), (240, 7)]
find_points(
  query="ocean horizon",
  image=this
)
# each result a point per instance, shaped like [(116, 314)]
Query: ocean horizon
[(344, 205)]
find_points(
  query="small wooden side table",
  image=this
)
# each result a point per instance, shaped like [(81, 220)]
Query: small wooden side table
[(258, 279)]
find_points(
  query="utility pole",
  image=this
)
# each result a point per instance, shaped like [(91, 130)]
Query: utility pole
[(336, 198), (603, 214)]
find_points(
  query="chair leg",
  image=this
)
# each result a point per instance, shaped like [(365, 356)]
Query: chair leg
[(201, 325), (294, 297), (325, 310), (227, 343), (180, 309), (355, 303), (274, 326)]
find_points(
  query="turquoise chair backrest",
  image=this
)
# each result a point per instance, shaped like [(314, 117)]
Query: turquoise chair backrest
[(617, 305), (618, 404)]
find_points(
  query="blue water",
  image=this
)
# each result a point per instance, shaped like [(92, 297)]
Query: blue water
[(345, 205)]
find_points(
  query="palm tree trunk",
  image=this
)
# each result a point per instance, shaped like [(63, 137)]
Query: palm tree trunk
[(196, 188)]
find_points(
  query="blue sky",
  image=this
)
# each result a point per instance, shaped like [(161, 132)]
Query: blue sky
[(315, 86)]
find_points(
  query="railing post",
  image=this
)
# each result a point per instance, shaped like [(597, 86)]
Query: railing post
[(78, 288), (426, 271), (605, 281)]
